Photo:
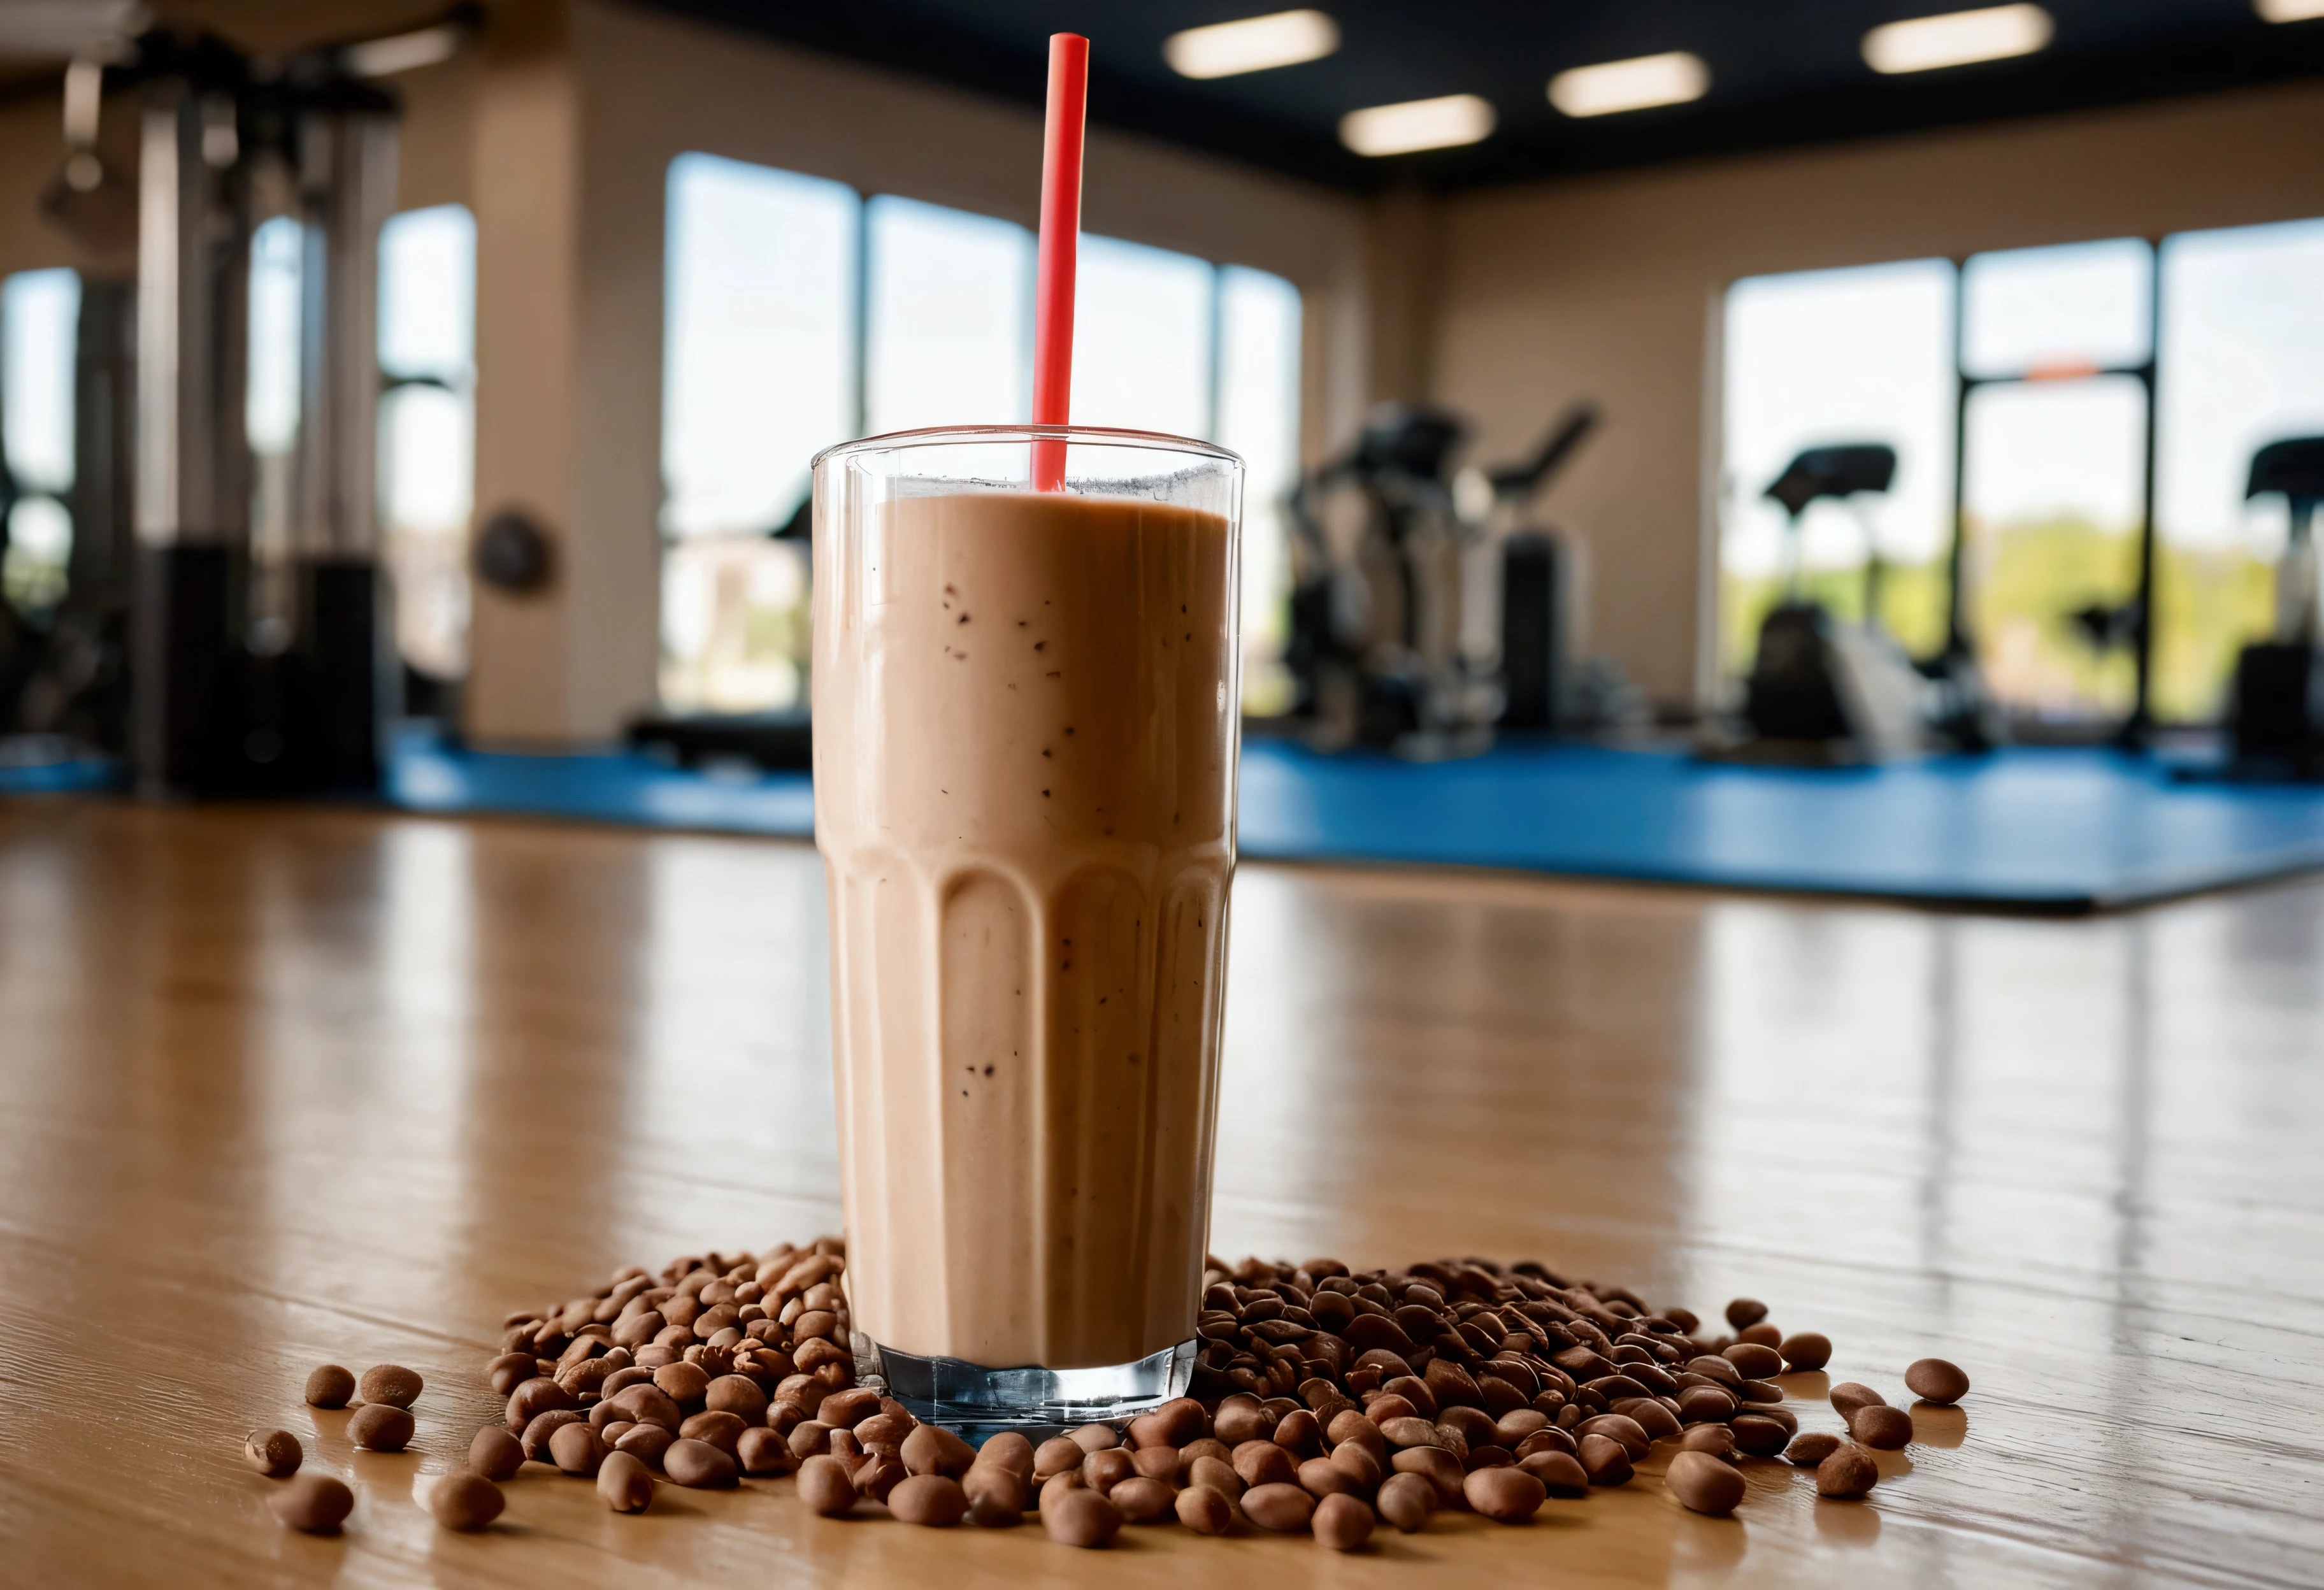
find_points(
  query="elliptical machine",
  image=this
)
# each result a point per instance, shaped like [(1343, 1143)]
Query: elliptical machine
[(2276, 717), (1377, 595)]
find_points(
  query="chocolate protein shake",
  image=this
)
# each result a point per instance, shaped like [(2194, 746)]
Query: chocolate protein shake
[(1025, 733)]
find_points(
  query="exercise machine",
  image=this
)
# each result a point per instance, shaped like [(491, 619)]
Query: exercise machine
[(2276, 715), (1379, 556), (1823, 691)]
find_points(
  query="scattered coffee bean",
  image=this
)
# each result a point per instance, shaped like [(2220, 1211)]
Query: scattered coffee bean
[(931, 1450), (1848, 1472), (495, 1453), (826, 1486), (535, 1439), (762, 1452), (1274, 1505), (1559, 1473), (1142, 1501), (466, 1500), (1406, 1500), (624, 1484), (389, 1383), (683, 1383), (722, 1430), (578, 1449), (1205, 1510), (536, 1397), (1263, 1463), (1881, 1428), (1320, 1477), (380, 1427), (1548, 1439), (1618, 1427), (1080, 1517), (1806, 1350), (1705, 1404), (646, 1443), (1056, 1455), (1604, 1460), (1409, 1432), (935, 1501), (1506, 1495), (314, 1503), (1101, 1471), (1322, 1394), (1439, 1467), (1813, 1448), (1704, 1484), (1342, 1522), (877, 1476), (274, 1452), (737, 1394), (1848, 1396), (1934, 1380), (1716, 1440), (329, 1386), (1215, 1473), (697, 1463)]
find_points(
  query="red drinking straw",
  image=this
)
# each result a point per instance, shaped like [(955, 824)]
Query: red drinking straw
[(1061, 226)]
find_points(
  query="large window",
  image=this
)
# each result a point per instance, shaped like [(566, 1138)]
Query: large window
[(800, 315), (428, 429), (2243, 365), (1822, 358), (40, 320), (2039, 368)]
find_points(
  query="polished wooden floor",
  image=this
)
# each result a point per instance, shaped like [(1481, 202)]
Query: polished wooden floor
[(284, 1087)]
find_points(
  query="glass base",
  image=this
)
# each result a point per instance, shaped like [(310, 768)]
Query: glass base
[(1036, 1402)]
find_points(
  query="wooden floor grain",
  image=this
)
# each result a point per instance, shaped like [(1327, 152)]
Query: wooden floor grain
[(287, 1086)]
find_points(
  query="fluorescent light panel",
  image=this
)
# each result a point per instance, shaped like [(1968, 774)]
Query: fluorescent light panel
[(1418, 124), (1957, 39), (403, 52), (2289, 10), (1670, 79), (1254, 44)]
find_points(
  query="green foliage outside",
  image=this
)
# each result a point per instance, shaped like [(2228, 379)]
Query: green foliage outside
[(2028, 579)]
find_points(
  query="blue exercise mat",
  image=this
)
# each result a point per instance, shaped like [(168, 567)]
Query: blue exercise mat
[(2031, 830)]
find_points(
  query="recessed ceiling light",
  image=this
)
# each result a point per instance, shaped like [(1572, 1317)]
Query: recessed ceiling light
[(1418, 124), (1254, 44), (403, 52), (1671, 79), (1957, 39), (2289, 10)]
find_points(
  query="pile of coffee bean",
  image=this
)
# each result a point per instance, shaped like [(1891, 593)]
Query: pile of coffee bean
[(1323, 1401)]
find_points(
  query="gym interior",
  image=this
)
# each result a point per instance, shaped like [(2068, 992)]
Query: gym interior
[(1777, 563)]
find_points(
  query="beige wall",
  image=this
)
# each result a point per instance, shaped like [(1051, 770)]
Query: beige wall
[(1609, 288), (646, 89)]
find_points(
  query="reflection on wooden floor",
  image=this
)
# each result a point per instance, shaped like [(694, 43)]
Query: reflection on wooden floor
[(286, 1085)]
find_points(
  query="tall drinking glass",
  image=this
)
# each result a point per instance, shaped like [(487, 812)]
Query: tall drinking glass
[(1025, 728)]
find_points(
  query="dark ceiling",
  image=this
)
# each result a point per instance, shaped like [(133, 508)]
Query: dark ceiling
[(1782, 71)]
